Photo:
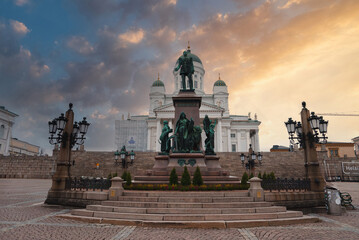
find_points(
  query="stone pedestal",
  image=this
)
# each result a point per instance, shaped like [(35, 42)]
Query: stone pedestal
[(116, 189), (212, 173), (255, 190), (189, 103)]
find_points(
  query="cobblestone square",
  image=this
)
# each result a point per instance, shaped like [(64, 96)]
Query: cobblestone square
[(24, 216)]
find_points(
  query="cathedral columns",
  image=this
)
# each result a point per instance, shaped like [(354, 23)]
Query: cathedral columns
[(256, 141), (243, 140), (229, 142), (158, 134), (219, 142), (170, 124), (149, 132)]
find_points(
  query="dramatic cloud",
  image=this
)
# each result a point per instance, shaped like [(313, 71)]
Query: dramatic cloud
[(19, 27), (271, 54), (80, 45), (132, 36), (21, 3)]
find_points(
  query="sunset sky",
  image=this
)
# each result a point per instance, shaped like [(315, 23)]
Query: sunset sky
[(104, 55)]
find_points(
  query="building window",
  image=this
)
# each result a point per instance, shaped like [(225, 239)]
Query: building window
[(195, 84), (233, 147), (195, 76), (233, 135), (333, 152)]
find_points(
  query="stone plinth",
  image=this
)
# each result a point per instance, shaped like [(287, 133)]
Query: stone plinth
[(189, 103), (116, 189), (255, 190)]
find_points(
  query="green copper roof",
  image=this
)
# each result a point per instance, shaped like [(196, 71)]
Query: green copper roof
[(220, 83), (158, 83), (195, 58)]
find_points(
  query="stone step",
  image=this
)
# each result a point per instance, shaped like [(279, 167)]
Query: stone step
[(186, 199), (187, 217), (166, 178), (237, 193), (185, 205), (196, 224), (101, 208)]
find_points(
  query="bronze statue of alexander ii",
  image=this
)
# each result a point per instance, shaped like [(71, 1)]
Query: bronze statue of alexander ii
[(185, 62)]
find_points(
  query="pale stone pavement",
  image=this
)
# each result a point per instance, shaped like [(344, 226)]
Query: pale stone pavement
[(24, 216)]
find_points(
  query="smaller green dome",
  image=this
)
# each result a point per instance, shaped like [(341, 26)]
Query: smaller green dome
[(220, 83), (158, 83)]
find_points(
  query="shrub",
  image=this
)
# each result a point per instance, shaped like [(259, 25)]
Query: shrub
[(109, 176), (186, 178), (244, 178), (265, 177), (251, 176), (244, 182), (124, 176), (173, 177), (260, 175), (272, 176), (197, 177), (128, 179)]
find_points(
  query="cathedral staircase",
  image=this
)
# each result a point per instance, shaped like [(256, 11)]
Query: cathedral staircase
[(222, 209)]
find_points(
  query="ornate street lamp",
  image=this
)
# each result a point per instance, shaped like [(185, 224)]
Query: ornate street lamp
[(63, 130), (123, 155), (316, 123), (251, 159), (132, 156), (307, 137), (75, 136)]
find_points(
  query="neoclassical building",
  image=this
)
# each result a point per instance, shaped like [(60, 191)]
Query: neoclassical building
[(7, 120), (234, 133)]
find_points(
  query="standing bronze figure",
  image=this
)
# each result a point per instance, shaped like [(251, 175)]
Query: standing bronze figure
[(185, 62)]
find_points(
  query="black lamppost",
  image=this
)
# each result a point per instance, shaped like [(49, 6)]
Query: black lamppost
[(307, 136), (63, 130), (316, 123), (251, 159), (123, 155), (58, 135)]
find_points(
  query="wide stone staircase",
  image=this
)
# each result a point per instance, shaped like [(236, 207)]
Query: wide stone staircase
[(222, 209)]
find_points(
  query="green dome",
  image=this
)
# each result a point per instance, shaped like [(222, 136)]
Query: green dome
[(195, 58), (158, 83), (220, 83)]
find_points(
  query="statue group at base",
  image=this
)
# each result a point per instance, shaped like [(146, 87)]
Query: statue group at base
[(187, 137), (208, 127)]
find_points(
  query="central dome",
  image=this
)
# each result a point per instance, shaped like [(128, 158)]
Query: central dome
[(195, 58)]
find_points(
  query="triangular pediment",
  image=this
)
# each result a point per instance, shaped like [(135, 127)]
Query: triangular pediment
[(204, 107)]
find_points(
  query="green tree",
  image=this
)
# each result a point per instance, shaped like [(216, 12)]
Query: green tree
[(265, 176), (173, 177), (124, 176), (128, 179), (251, 175), (186, 178), (272, 176), (260, 175), (244, 182), (197, 177)]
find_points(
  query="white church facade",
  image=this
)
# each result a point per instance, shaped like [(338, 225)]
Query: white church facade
[(234, 133)]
